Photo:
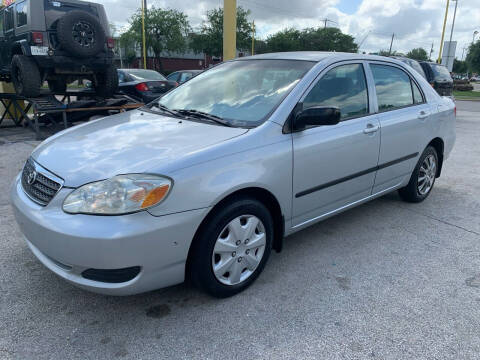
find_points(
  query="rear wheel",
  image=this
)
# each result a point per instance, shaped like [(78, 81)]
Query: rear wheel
[(232, 249), (423, 177), (26, 76), (106, 82)]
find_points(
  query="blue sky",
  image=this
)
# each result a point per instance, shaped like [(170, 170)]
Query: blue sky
[(349, 6)]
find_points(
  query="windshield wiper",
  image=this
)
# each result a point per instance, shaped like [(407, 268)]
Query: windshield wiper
[(163, 108), (203, 115)]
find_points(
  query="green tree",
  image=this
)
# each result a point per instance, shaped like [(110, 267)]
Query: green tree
[(165, 30), (210, 38), (473, 57), (460, 67), (418, 54), (327, 39), (311, 39), (285, 40)]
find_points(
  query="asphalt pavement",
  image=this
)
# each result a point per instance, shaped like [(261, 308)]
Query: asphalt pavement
[(386, 280)]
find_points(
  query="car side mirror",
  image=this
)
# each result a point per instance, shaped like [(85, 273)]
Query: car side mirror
[(316, 116)]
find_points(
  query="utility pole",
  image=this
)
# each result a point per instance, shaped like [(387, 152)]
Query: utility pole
[(463, 52), (443, 33), (391, 44), (431, 52), (144, 43), (229, 29), (253, 37)]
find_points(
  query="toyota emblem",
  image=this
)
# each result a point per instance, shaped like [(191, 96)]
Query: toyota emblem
[(31, 177)]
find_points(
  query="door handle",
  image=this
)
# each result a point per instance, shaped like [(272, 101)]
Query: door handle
[(370, 129), (423, 115)]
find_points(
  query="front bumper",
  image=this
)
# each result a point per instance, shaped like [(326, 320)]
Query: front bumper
[(70, 244)]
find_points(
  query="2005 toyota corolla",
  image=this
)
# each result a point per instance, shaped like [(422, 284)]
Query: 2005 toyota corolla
[(204, 182)]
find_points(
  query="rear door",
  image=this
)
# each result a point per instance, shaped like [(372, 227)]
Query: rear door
[(404, 116), (335, 165)]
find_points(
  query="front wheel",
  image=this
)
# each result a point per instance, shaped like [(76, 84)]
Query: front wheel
[(232, 248), (423, 177)]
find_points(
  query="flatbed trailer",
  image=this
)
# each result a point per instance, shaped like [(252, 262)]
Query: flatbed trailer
[(57, 110)]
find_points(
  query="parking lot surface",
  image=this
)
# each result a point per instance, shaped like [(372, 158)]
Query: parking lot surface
[(386, 280)]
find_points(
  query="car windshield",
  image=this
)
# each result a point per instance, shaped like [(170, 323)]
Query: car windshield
[(146, 75), (440, 72), (242, 92)]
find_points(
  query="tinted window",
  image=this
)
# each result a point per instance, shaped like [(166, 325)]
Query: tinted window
[(1, 23), (121, 77), (22, 12), (440, 72), (9, 18), (173, 77), (417, 94), (393, 86), (344, 87)]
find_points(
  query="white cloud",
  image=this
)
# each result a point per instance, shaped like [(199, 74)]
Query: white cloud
[(416, 23)]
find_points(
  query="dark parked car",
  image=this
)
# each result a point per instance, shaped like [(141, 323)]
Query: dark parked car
[(439, 77), (183, 75), (413, 63), (58, 42), (144, 85)]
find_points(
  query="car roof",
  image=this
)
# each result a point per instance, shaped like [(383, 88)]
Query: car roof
[(316, 56)]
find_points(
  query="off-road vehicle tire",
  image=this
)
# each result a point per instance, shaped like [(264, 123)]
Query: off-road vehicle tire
[(81, 34), (57, 86), (106, 82), (26, 76)]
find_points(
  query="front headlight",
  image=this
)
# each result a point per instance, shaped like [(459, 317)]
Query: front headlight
[(121, 194)]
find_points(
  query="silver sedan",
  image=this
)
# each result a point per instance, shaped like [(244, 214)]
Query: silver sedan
[(204, 182)]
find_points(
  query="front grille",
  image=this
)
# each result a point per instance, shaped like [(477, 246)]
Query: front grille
[(113, 276), (39, 184)]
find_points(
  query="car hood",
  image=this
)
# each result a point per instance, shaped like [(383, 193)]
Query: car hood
[(132, 142)]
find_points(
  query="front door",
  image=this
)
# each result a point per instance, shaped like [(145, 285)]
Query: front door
[(335, 165)]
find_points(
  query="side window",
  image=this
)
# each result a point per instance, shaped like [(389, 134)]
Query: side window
[(345, 87), (22, 13), (121, 77), (185, 76), (1, 23), (394, 89), (417, 94), (173, 77), (9, 18)]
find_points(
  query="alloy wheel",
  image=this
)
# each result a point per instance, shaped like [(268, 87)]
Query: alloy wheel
[(84, 34), (426, 175)]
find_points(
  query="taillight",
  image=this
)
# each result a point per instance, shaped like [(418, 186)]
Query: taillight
[(110, 43), (37, 38), (176, 84), (142, 87)]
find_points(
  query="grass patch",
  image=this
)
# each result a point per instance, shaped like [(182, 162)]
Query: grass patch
[(467, 94)]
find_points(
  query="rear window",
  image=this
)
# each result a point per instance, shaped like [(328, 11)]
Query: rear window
[(440, 72), (146, 75)]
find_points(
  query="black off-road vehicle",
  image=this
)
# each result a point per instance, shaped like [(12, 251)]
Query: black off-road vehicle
[(56, 41)]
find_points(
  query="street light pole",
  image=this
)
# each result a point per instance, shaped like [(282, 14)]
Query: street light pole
[(229, 29), (144, 44), (453, 24), (443, 33)]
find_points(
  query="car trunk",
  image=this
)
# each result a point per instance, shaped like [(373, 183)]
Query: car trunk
[(159, 87)]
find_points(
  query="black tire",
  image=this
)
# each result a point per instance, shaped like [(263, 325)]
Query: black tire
[(411, 192), (81, 34), (57, 86), (200, 257), (26, 76), (106, 82)]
